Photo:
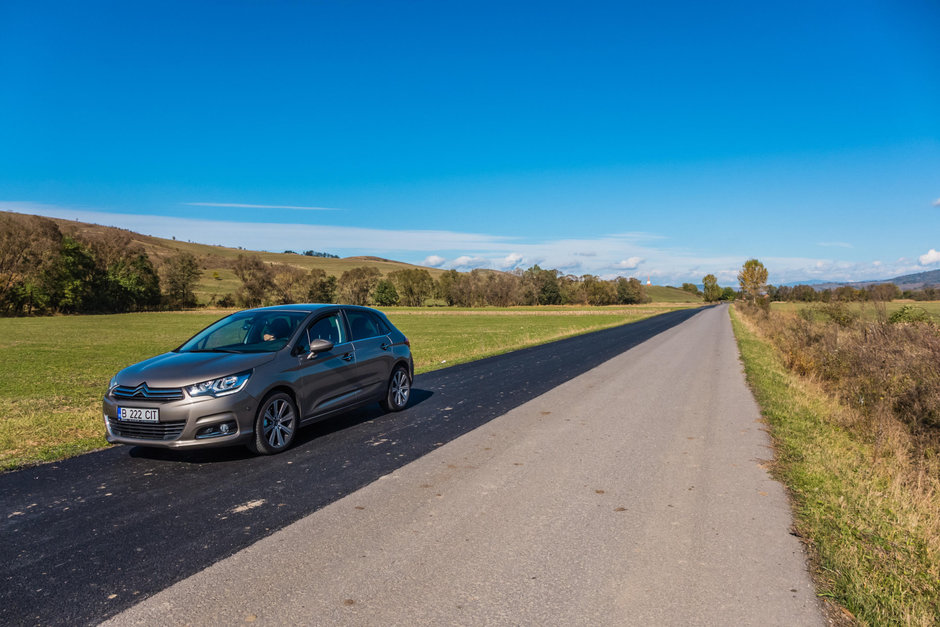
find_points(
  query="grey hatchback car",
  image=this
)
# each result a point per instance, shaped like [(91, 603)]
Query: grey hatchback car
[(258, 375)]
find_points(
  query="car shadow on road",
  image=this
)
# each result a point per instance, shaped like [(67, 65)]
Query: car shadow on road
[(306, 435)]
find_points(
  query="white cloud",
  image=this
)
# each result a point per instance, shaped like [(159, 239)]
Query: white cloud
[(936, 203), (468, 262), (629, 264), (510, 261), (929, 258), (245, 206), (433, 261)]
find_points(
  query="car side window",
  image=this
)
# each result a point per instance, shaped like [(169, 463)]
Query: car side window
[(326, 328), (380, 324), (362, 325)]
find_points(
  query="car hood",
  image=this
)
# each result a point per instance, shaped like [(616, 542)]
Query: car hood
[(173, 370)]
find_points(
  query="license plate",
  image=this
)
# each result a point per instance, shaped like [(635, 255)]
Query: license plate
[(136, 414)]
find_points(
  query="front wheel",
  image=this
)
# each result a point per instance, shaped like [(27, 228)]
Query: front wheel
[(275, 425), (399, 390)]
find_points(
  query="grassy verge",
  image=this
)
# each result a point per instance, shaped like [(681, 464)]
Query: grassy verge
[(871, 520), (53, 371)]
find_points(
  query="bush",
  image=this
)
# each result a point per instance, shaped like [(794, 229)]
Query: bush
[(875, 367), (909, 313), (839, 313), (226, 301)]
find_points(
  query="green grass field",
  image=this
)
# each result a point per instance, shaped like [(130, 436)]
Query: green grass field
[(53, 371)]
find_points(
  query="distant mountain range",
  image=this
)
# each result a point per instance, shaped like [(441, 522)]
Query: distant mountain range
[(905, 282)]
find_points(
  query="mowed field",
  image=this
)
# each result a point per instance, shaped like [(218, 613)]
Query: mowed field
[(53, 371), (869, 311)]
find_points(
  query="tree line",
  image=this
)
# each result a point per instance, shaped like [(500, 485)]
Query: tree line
[(270, 284), (752, 279)]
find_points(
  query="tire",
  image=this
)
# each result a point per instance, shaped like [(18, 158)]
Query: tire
[(275, 425), (399, 390)]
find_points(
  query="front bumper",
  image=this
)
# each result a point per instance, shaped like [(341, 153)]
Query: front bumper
[(182, 420)]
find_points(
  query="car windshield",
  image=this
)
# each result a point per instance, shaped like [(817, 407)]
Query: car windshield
[(246, 332)]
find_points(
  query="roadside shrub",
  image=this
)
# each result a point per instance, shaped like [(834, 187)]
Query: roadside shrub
[(909, 313), (839, 313), (807, 313), (872, 366)]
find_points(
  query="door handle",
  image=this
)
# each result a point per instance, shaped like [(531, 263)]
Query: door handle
[(347, 357), (385, 346)]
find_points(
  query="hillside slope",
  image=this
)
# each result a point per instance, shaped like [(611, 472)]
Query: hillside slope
[(216, 261), (666, 294)]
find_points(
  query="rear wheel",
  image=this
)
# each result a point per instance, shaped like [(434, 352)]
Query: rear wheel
[(399, 390), (275, 425)]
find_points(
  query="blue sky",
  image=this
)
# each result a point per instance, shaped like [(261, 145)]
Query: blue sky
[(666, 139)]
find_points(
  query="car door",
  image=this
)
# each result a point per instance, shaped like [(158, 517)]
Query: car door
[(374, 360), (327, 380)]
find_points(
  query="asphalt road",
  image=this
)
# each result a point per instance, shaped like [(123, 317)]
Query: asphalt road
[(86, 538), (633, 494)]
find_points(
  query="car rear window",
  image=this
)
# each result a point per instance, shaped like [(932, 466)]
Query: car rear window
[(364, 324)]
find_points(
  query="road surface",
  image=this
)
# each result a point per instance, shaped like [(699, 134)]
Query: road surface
[(633, 494)]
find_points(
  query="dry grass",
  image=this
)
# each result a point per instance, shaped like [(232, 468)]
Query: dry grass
[(865, 481)]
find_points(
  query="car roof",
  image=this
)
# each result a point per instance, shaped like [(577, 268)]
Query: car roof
[(308, 307)]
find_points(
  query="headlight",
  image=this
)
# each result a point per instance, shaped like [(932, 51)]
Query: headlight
[(220, 387), (112, 384)]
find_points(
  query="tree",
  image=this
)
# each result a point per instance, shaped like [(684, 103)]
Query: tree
[(631, 292), (75, 278), (753, 279), (413, 285), (132, 284), (884, 292), (290, 283), (257, 280), (385, 293), (541, 286), (320, 287), (597, 292), (727, 293), (804, 293), (447, 287), (691, 288), (356, 284), (29, 246), (501, 289), (712, 291), (180, 274), (847, 293)]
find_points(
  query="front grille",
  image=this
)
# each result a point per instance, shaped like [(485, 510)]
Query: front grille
[(147, 430), (144, 392)]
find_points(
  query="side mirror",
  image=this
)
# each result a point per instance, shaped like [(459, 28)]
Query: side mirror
[(319, 346)]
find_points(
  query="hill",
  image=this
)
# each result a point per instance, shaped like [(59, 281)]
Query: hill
[(666, 294), (905, 282), (216, 261)]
